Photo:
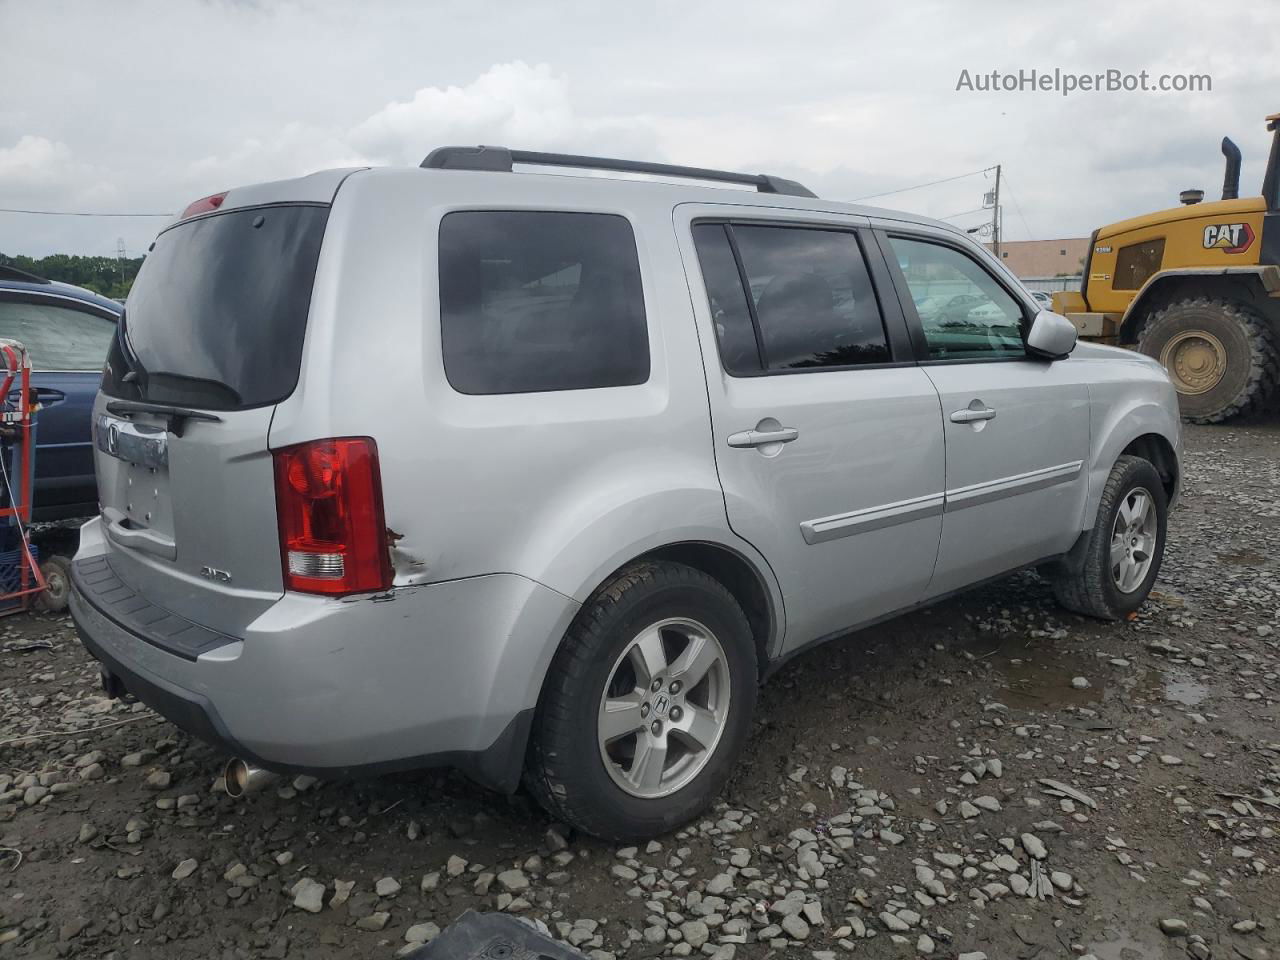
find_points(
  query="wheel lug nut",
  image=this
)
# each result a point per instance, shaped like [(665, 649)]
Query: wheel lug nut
[(644, 709), (656, 727), (675, 686), (676, 713), (656, 685)]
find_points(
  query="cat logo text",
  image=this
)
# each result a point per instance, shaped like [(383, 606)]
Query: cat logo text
[(1228, 237)]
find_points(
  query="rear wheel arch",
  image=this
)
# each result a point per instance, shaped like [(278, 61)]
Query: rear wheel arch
[(740, 577)]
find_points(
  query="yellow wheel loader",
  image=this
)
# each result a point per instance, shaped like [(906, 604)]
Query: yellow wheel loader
[(1197, 287)]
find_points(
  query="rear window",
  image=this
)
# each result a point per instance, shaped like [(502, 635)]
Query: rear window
[(217, 315), (535, 301)]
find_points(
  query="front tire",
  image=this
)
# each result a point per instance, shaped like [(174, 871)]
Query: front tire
[(1221, 356), (1124, 549), (647, 705)]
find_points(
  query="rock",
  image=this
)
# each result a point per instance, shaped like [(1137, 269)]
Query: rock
[(1034, 846), (430, 881), (1169, 760), (812, 911), (623, 872), (720, 883), (455, 866), (990, 804), (374, 921), (341, 893), (421, 933), (891, 838), (892, 923), (972, 955), (1061, 880), (513, 881), (387, 887), (159, 780), (695, 933), (185, 869), (308, 895), (87, 832), (1173, 927), (968, 810), (924, 944), (795, 927)]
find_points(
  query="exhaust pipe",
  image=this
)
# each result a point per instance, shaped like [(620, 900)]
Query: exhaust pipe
[(1231, 178), (240, 778)]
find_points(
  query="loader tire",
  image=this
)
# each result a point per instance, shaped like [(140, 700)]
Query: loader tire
[(1222, 356)]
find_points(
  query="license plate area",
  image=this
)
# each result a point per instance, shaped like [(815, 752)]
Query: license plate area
[(136, 492)]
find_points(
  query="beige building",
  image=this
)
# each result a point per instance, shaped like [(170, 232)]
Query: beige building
[(1044, 258)]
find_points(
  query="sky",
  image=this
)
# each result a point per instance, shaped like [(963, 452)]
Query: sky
[(141, 106)]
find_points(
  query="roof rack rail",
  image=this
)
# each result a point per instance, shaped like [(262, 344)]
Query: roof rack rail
[(14, 273), (502, 158)]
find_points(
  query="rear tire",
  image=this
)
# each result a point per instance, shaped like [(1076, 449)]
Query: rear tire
[(1123, 551), (1221, 355), (627, 650)]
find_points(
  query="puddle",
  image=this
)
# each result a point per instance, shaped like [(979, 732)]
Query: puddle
[(1039, 684), (1171, 686), (1123, 947), (1185, 691)]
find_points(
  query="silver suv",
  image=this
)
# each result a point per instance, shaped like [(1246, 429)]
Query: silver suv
[(538, 475)]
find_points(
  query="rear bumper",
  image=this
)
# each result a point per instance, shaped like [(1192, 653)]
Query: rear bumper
[(440, 675)]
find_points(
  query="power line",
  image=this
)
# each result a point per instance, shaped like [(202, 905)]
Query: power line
[(918, 186), (962, 213), (78, 213)]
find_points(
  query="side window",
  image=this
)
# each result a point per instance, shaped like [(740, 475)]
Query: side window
[(57, 338), (811, 299), (1136, 263), (735, 333), (534, 301), (965, 313)]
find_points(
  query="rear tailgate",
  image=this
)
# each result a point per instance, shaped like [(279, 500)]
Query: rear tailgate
[(210, 342)]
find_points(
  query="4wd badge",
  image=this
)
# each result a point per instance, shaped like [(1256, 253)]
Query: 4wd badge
[(1228, 237)]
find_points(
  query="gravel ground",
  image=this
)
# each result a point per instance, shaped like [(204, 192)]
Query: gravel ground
[(989, 777)]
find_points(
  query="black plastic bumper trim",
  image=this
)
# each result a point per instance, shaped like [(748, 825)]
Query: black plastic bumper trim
[(116, 600)]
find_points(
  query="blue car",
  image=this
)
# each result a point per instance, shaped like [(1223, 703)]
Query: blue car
[(67, 331)]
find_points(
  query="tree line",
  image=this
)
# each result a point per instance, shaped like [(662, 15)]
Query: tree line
[(108, 276)]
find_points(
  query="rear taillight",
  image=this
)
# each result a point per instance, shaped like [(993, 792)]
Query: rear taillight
[(333, 537), (204, 205)]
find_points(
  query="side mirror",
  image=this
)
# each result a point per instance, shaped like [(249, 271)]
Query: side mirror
[(1052, 336)]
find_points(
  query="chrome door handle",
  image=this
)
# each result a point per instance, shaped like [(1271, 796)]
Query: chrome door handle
[(758, 438), (973, 415)]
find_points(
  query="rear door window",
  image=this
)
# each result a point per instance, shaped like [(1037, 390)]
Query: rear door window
[(811, 303), (534, 301), (217, 315), (57, 338)]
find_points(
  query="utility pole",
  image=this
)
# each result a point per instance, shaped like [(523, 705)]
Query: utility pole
[(995, 216), (120, 254)]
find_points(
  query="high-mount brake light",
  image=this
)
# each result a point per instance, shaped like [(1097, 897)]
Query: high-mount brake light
[(204, 205), (333, 535)]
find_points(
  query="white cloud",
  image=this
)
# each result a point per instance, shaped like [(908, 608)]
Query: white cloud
[(509, 103), (34, 161)]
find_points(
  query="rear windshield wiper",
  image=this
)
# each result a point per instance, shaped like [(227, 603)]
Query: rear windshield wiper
[(175, 417)]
